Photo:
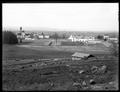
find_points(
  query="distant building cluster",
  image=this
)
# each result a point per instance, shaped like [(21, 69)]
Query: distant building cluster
[(111, 39), (74, 38), (30, 36), (41, 36), (90, 39)]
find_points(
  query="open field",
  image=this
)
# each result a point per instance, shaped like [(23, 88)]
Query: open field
[(56, 74), (13, 52), (36, 49), (39, 50)]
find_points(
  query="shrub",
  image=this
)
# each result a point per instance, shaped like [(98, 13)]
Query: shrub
[(100, 37), (9, 37)]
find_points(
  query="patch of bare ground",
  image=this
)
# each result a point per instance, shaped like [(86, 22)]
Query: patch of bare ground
[(93, 75)]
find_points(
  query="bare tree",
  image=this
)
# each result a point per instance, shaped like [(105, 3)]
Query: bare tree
[(100, 37), (56, 37)]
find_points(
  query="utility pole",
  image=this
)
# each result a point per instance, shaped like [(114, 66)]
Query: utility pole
[(21, 34)]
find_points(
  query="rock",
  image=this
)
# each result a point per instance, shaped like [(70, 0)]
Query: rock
[(17, 59), (101, 69), (56, 59), (114, 84), (51, 84), (94, 69), (111, 82), (42, 64), (92, 82), (81, 71), (22, 67), (84, 83), (97, 87), (85, 88), (87, 76), (76, 83), (67, 65)]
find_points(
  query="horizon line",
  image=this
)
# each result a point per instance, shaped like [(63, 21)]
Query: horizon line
[(54, 29)]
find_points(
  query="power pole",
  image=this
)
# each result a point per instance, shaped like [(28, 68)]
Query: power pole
[(21, 34)]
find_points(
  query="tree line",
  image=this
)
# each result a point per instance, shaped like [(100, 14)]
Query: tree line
[(9, 37)]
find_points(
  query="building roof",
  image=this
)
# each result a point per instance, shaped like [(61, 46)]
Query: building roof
[(77, 54)]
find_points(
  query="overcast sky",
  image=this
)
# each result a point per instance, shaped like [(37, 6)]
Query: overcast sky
[(63, 16)]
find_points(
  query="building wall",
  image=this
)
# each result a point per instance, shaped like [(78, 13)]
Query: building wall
[(74, 39), (46, 36)]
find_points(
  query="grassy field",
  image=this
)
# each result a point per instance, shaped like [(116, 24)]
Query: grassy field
[(12, 52), (39, 49), (55, 77)]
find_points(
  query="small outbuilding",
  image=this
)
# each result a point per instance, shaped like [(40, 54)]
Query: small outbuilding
[(79, 56)]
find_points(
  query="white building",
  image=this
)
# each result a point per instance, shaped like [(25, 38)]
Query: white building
[(23, 34), (47, 36), (28, 38), (71, 37), (44, 36), (114, 39), (106, 37), (27, 35), (81, 38), (40, 36)]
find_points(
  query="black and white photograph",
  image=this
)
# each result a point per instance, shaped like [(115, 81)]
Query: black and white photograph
[(60, 46)]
